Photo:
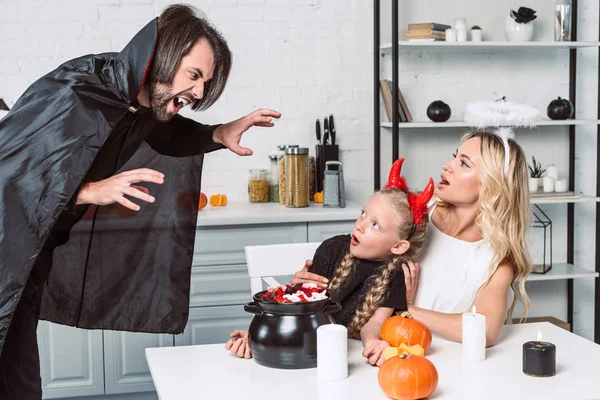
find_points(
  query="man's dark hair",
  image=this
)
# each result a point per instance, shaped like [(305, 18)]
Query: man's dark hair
[(180, 27)]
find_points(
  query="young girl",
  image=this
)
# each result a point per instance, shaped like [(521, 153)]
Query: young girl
[(364, 268)]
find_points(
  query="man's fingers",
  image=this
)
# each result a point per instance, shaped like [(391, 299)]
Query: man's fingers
[(144, 177), (141, 189), (138, 194), (267, 112), (143, 171), (128, 204)]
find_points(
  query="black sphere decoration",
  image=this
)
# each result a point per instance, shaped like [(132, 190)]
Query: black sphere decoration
[(560, 109), (438, 111)]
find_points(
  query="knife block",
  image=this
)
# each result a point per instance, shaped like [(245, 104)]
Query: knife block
[(324, 153)]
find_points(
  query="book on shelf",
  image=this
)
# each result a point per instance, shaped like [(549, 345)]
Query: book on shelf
[(429, 25), (404, 115), (401, 113), (435, 34)]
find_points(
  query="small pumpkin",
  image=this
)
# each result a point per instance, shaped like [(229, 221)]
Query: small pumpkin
[(560, 109), (202, 202), (407, 377), (404, 329), (318, 197), (438, 111), (218, 200)]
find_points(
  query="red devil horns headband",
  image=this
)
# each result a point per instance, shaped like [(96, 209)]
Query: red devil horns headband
[(416, 202)]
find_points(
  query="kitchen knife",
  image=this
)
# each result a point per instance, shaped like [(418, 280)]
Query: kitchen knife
[(325, 132), (318, 128), (331, 129)]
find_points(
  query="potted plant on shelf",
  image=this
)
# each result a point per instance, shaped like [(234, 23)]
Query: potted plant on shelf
[(519, 26), (535, 175), (476, 33)]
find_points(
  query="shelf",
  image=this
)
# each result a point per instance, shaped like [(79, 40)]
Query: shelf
[(463, 124), (493, 45), (566, 199), (563, 271)]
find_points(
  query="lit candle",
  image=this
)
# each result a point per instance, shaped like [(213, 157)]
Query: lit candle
[(473, 336), (539, 358)]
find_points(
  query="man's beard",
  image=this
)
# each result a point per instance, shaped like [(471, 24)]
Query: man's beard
[(160, 96)]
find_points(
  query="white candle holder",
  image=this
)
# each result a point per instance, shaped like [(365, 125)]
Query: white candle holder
[(552, 171), (560, 185), (450, 35), (461, 34), (548, 184)]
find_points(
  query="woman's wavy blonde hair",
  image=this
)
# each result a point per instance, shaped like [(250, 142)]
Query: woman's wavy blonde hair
[(397, 199), (504, 213)]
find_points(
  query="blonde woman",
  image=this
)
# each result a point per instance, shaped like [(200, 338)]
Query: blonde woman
[(364, 268), (475, 253)]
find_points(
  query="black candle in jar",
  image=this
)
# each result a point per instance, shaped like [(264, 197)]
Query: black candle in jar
[(539, 358)]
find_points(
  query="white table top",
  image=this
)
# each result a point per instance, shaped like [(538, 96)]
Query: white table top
[(210, 372)]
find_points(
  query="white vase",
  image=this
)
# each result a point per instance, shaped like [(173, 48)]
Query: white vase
[(516, 32), (534, 184)]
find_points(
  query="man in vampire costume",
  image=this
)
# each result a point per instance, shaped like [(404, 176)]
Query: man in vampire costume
[(77, 150)]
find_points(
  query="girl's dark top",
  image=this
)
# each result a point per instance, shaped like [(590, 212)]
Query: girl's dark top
[(353, 290)]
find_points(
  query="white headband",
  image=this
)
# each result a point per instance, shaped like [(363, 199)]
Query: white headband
[(505, 134)]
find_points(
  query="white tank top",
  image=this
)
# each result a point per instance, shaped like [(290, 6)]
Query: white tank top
[(451, 272)]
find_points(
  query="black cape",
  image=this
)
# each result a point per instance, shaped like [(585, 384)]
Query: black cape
[(120, 270)]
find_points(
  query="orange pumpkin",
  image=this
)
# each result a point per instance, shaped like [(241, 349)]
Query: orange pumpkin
[(318, 197), (218, 200), (202, 202), (407, 377), (404, 329)]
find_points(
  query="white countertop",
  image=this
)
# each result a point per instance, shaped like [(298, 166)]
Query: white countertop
[(272, 213), (210, 372)]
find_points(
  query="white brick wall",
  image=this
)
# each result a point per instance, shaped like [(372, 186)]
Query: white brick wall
[(304, 58)]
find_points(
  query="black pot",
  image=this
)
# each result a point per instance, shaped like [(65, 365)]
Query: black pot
[(438, 111), (285, 335), (560, 109)]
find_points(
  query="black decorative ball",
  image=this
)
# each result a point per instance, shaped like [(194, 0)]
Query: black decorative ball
[(560, 109), (438, 111)]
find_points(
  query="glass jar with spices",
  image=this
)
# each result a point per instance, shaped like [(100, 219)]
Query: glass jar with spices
[(274, 177), (258, 186), (281, 151), (296, 177)]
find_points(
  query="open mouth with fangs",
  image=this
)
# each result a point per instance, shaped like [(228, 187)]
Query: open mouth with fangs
[(179, 103)]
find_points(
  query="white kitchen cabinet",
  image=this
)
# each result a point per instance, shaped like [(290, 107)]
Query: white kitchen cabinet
[(71, 361), (213, 324), (216, 245), (319, 231), (126, 369)]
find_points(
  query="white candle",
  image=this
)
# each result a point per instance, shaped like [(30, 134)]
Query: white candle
[(473, 336), (548, 184), (560, 185), (332, 352), (552, 171)]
